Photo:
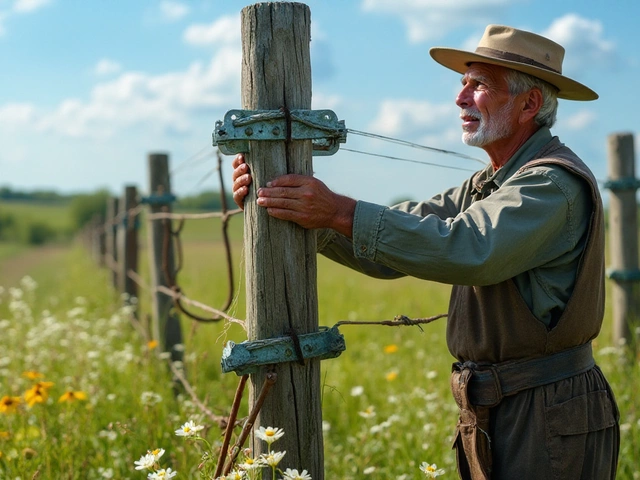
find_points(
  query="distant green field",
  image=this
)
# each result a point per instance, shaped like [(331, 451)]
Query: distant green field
[(56, 215), (10, 249)]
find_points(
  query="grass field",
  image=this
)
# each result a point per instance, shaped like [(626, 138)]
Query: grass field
[(386, 401), (54, 214)]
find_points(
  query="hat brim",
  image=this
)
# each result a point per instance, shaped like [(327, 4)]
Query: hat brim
[(459, 61)]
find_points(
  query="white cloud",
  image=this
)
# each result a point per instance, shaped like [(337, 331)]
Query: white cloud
[(429, 19), (173, 11), (225, 30), (16, 114), (169, 101), (106, 67), (410, 118), (583, 41), (580, 120), (28, 6), (321, 101)]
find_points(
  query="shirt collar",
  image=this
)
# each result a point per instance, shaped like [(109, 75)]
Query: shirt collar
[(487, 178)]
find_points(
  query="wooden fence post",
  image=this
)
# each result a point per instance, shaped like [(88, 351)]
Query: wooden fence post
[(111, 245), (623, 237), (98, 242), (128, 243), (281, 260), (166, 324)]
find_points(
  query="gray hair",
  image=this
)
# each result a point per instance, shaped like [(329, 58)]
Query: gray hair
[(520, 82)]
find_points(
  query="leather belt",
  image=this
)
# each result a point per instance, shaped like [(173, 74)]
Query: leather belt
[(489, 384)]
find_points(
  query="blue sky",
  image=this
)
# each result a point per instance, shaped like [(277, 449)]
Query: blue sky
[(89, 88)]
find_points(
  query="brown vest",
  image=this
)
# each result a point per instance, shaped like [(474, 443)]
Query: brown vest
[(494, 324)]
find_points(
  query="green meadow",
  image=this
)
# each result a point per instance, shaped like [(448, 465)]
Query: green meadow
[(84, 396)]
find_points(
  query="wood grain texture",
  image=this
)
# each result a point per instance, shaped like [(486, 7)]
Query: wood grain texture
[(281, 256)]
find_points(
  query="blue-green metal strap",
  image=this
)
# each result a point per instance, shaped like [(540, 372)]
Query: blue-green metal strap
[(156, 199), (624, 275), (626, 183), (246, 357)]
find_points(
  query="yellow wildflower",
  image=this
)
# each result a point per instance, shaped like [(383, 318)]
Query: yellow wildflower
[(71, 396), (151, 344), (393, 348), (32, 375), (391, 376), (38, 393), (9, 404)]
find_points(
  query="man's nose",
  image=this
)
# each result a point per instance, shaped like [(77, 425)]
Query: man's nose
[(463, 99)]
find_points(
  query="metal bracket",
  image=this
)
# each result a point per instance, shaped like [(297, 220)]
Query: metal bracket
[(624, 275), (624, 183), (239, 127), (158, 199), (247, 357)]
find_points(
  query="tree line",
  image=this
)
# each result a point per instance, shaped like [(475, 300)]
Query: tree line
[(78, 210)]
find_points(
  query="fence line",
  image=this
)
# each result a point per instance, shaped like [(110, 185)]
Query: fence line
[(625, 276)]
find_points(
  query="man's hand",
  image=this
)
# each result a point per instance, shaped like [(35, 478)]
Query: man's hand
[(301, 199), (308, 202), (241, 180)]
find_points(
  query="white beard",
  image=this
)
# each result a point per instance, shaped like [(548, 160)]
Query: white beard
[(488, 133)]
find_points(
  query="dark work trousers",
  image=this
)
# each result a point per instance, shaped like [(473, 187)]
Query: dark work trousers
[(561, 431)]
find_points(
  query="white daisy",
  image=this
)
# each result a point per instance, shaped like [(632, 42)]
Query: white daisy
[(292, 474), (432, 471), (162, 474), (269, 434), (272, 459), (146, 462), (189, 429)]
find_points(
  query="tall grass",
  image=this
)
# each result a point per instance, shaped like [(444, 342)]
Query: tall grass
[(385, 400)]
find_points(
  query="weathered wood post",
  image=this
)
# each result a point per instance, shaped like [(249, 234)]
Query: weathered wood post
[(623, 237), (98, 243), (128, 243), (281, 256), (111, 245), (166, 324)]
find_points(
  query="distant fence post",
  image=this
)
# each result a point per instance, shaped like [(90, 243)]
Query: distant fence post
[(98, 243), (111, 244), (128, 242), (623, 237), (281, 265), (166, 324)]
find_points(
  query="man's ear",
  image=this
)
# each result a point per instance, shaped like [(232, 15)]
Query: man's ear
[(532, 105)]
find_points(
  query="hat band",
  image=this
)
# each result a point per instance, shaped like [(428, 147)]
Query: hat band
[(514, 57)]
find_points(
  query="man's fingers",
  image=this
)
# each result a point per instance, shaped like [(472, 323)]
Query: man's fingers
[(237, 160), (280, 192), (239, 171), (239, 196), (290, 180), (241, 181)]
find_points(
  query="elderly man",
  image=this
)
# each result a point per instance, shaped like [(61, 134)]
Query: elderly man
[(521, 242)]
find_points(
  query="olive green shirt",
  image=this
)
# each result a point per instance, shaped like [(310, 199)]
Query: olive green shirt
[(530, 226)]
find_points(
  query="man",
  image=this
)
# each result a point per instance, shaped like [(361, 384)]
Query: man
[(522, 243)]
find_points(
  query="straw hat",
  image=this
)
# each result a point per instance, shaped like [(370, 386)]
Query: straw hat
[(519, 50)]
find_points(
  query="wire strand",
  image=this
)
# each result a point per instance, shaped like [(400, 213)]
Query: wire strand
[(451, 167), (201, 155), (414, 145)]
